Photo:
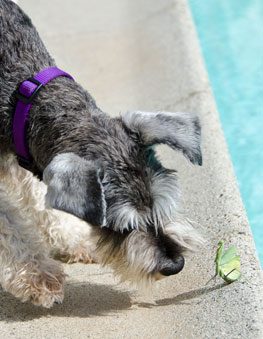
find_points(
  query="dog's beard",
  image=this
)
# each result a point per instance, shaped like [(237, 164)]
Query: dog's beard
[(136, 256)]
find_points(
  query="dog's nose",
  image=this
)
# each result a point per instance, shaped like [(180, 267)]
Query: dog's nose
[(172, 266)]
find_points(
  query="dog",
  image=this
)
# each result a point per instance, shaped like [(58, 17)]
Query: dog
[(104, 196)]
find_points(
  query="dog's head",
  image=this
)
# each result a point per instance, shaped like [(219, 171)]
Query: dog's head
[(120, 186)]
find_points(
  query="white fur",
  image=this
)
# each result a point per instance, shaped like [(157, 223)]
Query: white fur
[(28, 232), (182, 231), (165, 194), (126, 217)]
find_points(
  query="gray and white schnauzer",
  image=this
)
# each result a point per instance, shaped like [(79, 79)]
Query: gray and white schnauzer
[(104, 194)]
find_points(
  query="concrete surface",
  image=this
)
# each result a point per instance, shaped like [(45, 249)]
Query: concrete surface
[(144, 54)]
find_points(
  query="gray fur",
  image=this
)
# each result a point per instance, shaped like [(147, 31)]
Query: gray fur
[(74, 186), (179, 130), (89, 158)]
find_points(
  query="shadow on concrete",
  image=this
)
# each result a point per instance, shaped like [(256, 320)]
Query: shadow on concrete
[(85, 300), (201, 292), (181, 298), (81, 300)]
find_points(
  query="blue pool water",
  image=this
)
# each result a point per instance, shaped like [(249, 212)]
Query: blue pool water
[(231, 38)]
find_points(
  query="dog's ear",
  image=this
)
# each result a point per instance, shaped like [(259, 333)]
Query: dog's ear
[(74, 186), (181, 131)]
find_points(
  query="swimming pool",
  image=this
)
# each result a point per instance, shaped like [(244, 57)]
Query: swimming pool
[(230, 34)]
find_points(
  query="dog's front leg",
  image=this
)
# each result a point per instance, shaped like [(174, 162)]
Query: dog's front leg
[(26, 270), (69, 237)]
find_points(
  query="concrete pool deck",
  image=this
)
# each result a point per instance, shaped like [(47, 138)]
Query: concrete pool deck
[(145, 55)]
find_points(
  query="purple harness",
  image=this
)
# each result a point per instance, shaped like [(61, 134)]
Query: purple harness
[(26, 94)]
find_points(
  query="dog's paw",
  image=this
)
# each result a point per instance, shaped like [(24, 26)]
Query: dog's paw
[(46, 289)]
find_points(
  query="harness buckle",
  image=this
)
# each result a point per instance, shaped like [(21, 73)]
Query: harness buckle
[(26, 99)]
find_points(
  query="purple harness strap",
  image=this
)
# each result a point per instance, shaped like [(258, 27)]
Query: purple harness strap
[(26, 95)]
